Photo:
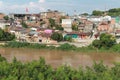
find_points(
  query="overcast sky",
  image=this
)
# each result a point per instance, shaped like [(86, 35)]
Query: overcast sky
[(68, 6)]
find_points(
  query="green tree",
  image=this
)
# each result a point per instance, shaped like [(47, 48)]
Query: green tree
[(75, 27), (5, 36), (6, 18), (85, 14), (97, 43), (97, 13), (59, 27), (114, 12), (57, 36), (52, 22), (24, 24), (68, 38), (106, 41)]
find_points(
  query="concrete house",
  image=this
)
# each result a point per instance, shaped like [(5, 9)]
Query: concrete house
[(67, 25)]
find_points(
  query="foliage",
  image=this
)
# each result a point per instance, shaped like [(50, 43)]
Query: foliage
[(75, 27), (85, 14), (97, 43), (5, 36), (97, 13), (6, 18), (57, 36), (115, 48), (39, 70), (68, 38), (24, 24), (2, 58), (52, 22), (58, 27), (114, 12), (67, 46), (106, 41), (15, 44)]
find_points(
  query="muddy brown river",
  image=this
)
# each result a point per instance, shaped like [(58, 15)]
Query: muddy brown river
[(56, 58)]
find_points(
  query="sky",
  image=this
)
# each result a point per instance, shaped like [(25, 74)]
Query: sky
[(67, 6)]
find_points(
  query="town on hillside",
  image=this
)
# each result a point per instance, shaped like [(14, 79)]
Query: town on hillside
[(39, 27)]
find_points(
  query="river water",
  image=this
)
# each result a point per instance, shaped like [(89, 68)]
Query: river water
[(56, 58)]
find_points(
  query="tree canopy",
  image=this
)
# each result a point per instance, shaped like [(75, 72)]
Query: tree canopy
[(106, 40), (110, 12), (6, 36), (57, 36), (39, 70)]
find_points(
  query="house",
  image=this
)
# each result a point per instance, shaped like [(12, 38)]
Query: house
[(4, 24), (85, 25), (52, 14), (78, 35), (106, 27), (67, 25), (2, 16)]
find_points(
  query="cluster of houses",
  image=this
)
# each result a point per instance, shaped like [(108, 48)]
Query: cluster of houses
[(38, 30)]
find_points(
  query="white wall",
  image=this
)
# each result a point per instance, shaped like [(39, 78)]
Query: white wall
[(67, 25)]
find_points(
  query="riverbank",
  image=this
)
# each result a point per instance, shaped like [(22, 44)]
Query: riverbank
[(63, 47)]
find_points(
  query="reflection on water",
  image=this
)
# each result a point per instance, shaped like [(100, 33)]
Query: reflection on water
[(57, 58)]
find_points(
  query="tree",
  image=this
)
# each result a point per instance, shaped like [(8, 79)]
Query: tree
[(57, 36), (52, 22), (85, 14), (106, 41), (24, 24), (75, 27), (97, 43), (5, 36), (97, 13), (59, 27), (6, 18), (114, 12), (68, 38)]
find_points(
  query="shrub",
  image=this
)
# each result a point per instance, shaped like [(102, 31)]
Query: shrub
[(106, 41), (67, 46), (68, 38), (57, 36), (97, 43)]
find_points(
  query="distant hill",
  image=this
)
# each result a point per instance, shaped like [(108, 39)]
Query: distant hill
[(111, 12)]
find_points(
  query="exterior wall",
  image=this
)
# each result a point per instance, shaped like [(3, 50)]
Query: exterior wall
[(2, 16), (2, 25), (67, 25)]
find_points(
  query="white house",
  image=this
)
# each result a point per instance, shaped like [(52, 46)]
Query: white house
[(3, 24), (67, 25)]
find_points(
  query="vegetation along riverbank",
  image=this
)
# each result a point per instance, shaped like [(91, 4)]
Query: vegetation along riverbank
[(106, 43), (39, 70)]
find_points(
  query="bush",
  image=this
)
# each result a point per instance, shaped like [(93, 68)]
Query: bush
[(39, 70), (97, 43), (106, 41), (67, 46), (57, 36), (115, 48), (68, 38)]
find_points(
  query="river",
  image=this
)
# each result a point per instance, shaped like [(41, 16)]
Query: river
[(56, 58)]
